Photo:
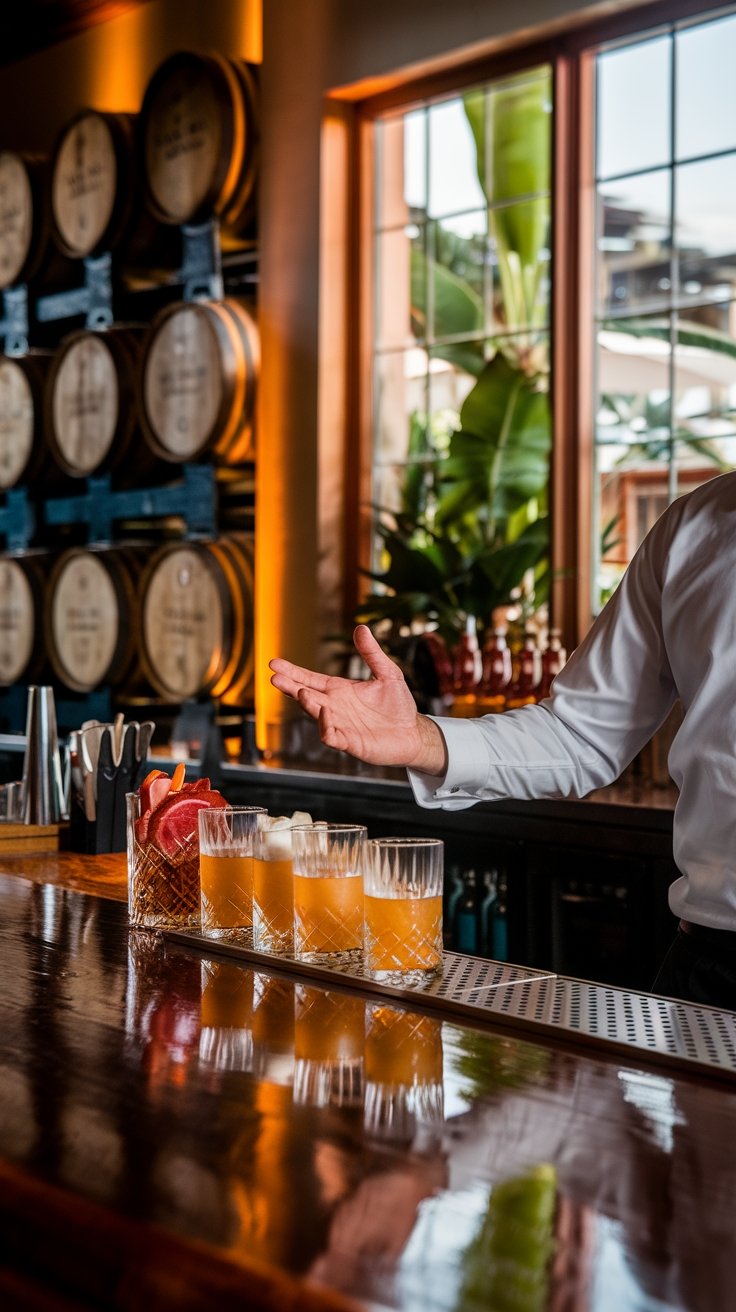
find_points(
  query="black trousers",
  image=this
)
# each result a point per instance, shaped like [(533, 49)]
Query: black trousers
[(700, 967)]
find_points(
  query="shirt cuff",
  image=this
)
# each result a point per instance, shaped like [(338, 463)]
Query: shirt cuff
[(467, 770)]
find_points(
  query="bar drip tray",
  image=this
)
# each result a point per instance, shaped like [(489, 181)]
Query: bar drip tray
[(546, 1006)]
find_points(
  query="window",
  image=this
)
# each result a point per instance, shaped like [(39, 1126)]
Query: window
[(665, 391), (461, 259)]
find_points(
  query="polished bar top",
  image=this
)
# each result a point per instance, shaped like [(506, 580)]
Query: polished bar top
[(177, 1128)]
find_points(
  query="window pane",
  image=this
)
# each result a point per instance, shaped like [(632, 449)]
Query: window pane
[(461, 282), (705, 399), (634, 490), (449, 385), (521, 285), (634, 241), (453, 167), (633, 375), (387, 486), (400, 402), (634, 91), (401, 192), (401, 310), (706, 90), (706, 227), (459, 251)]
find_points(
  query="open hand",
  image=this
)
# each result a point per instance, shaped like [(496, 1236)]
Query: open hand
[(374, 719)]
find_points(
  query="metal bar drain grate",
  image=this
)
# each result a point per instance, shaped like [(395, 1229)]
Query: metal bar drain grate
[(542, 1004)]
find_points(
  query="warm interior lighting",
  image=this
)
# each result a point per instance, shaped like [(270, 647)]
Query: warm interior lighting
[(119, 56)]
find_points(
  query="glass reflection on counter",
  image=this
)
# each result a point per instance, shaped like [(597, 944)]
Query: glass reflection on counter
[(226, 1013), (329, 1046), (273, 1028), (403, 1072), (163, 1008)]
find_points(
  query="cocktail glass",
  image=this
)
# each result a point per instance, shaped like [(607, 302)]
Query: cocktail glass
[(226, 836), (403, 909), (273, 887), (328, 891), (163, 890)]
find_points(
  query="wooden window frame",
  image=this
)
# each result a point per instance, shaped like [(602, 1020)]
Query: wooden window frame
[(571, 56)]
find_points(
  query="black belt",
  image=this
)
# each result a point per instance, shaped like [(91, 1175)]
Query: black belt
[(724, 937)]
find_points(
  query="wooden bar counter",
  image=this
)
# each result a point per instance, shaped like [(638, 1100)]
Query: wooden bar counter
[(178, 1129)]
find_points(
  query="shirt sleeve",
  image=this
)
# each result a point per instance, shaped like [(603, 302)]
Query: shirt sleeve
[(606, 703)]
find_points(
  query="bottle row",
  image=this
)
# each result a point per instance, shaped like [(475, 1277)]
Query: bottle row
[(121, 181), (175, 623), (128, 398), (476, 912), (471, 680)]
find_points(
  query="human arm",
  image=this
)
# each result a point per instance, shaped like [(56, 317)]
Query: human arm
[(375, 720), (612, 695)]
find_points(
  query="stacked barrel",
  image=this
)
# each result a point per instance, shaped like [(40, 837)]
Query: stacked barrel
[(167, 383)]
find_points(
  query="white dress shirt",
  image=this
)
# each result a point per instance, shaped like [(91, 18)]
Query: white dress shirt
[(669, 631)]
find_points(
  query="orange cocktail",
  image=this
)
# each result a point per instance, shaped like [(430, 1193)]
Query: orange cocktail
[(227, 890), (403, 909), (328, 891), (328, 913), (273, 903), (403, 933), (226, 869)]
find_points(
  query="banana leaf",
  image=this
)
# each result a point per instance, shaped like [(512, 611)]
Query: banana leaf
[(458, 311), (517, 116), (500, 457)]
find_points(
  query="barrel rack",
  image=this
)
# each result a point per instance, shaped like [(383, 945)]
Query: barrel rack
[(75, 275)]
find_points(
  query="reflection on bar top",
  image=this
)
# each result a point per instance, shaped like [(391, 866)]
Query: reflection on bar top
[(400, 1159)]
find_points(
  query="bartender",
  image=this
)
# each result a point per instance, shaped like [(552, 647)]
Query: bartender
[(668, 632)]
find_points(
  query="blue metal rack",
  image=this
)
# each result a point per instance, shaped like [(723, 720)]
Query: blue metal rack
[(14, 322), (17, 520), (194, 499)]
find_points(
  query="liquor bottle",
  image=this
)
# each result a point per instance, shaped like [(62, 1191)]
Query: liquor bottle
[(466, 671), (496, 672), (523, 689), (499, 936), (553, 659), (453, 897), (433, 647), (466, 919), (490, 884)]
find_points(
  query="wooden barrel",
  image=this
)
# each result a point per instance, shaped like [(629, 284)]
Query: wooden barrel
[(197, 621), (21, 617), (93, 185), (91, 618), (199, 366), (25, 227), (199, 134), (23, 452), (89, 401)]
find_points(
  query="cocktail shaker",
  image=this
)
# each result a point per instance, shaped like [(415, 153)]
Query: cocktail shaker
[(42, 789)]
